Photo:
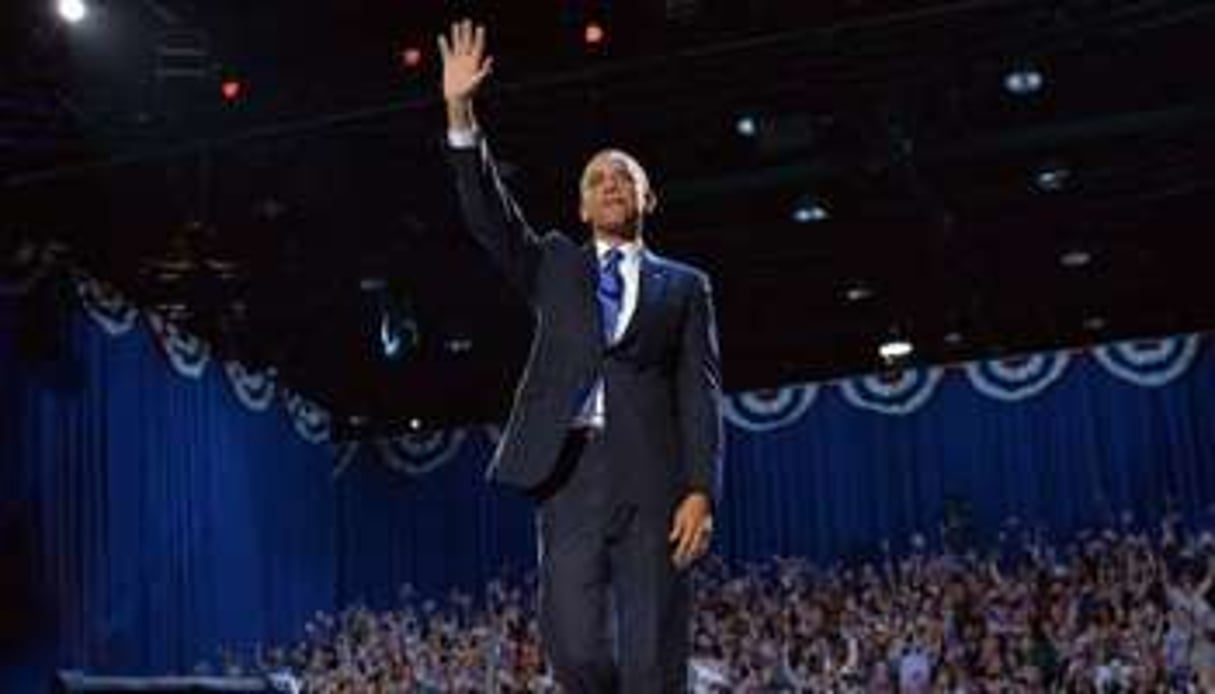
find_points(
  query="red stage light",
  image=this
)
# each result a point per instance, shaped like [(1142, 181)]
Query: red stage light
[(411, 56), (594, 34), (231, 89)]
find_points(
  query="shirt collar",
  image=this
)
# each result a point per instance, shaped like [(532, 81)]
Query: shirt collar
[(630, 250)]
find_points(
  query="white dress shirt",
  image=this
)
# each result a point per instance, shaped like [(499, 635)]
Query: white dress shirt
[(593, 412), (630, 271), (462, 139)]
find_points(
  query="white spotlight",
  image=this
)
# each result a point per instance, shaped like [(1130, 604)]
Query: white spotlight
[(72, 10), (1023, 82), (807, 211), (858, 292), (1052, 178), (746, 126), (894, 350), (1075, 258)]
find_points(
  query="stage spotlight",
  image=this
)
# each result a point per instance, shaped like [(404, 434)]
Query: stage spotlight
[(858, 292), (953, 338), (746, 126), (231, 89), (1051, 178), (807, 211), (1075, 258), (72, 11), (1023, 82), (593, 35), (415, 424), (411, 57), (895, 350)]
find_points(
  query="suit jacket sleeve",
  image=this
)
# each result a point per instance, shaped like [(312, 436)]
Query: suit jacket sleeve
[(699, 393), (493, 217)]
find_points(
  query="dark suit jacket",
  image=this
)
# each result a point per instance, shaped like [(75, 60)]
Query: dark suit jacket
[(661, 379)]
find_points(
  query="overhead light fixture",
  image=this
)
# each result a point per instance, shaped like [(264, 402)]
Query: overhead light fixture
[(415, 424), (1051, 178), (807, 211), (858, 292), (1076, 258), (895, 350), (953, 338), (391, 340), (231, 89), (1023, 82), (746, 126), (398, 334), (593, 34), (72, 11), (411, 57)]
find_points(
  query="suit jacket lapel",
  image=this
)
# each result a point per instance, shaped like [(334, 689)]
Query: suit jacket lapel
[(651, 283)]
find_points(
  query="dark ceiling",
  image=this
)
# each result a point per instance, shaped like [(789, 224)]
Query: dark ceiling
[(973, 220)]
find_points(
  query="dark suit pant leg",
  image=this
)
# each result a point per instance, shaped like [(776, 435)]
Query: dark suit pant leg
[(574, 604), (653, 609)]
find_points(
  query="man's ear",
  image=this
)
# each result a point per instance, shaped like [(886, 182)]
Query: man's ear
[(583, 214), (651, 202)]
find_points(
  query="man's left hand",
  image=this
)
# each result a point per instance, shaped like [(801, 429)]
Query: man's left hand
[(692, 529)]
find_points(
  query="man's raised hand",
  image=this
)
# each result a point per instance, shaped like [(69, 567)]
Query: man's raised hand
[(465, 64)]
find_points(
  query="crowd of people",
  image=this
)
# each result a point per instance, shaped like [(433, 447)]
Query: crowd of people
[(1112, 611)]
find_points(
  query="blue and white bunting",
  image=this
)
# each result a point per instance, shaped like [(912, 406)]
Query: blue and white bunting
[(1148, 363), (765, 410), (899, 394), (1018, 378), (311, 421), (418, 454), (187, 352), (106, 306), (254, 389)]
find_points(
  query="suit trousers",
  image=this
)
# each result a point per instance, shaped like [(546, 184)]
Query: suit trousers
[(614, 610)]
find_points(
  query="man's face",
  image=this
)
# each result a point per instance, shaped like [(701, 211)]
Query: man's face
[(615, 194)]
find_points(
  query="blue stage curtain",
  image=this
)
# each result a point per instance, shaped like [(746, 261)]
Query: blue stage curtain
[(840, 481), (446, 530), (148, 519)]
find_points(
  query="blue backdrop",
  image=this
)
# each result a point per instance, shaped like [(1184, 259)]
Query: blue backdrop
[(148, 518), (842, 479)]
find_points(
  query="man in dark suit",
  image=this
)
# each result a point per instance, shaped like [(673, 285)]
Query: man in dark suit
[(616, 424)]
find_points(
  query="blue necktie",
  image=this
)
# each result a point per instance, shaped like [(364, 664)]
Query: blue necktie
[(610, 292)]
